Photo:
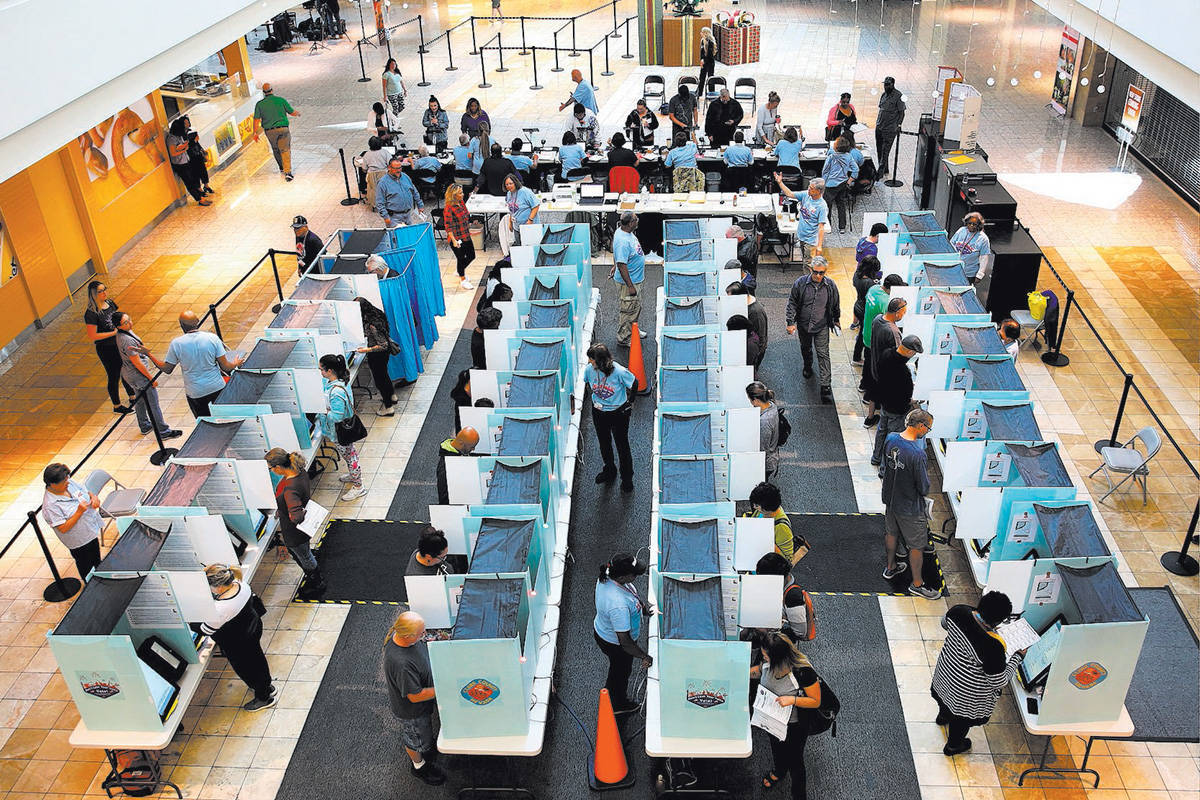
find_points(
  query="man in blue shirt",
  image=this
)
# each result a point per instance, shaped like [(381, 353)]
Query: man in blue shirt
[(203, 357), (424, 161), (523, 163), (395, 196), (628, 270), (812, 212), (584, 94), (738, 154), (905, 485), (462, 154)]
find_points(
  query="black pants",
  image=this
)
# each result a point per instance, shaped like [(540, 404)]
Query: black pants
[(839, 196), (884, 139), (788, 756), (200, 405), (110, 357), (377, 360), (705, 73), (859, 347), (200, 169), (188, 176), (614, 426), (246, 657), (465, 254), (87, 557), (957, 726), (620, 665)]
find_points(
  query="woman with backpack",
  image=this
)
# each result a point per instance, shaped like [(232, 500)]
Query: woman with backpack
[(770, 425), (787, 673)]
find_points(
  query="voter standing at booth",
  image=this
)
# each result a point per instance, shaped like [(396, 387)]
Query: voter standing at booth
[(236, 626), (291, 499), (972, 245), (70, 509), (411, 694)]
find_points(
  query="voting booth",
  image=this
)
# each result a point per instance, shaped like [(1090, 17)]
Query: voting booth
[(1064, 531), (341, 318), (702, 428), (320, 286), (701, 346), (968, 416), (548, 349), (705, 310), (683, 228), (301, 350), (959, 373), (522, 432), (700, 250), (294, 392), (538, 315), (236, 490), (690, 281), (705, 384)]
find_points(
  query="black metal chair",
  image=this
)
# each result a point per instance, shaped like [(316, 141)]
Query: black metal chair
[(654, 87), (737, 178), (746, 89)]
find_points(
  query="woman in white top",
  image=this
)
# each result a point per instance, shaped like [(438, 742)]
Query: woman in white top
[(763, 399), (235, 625), (382, 122), (394, 90)]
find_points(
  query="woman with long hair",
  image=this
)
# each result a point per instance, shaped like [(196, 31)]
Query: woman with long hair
[(377, 350), (788, 149), (341, 407), (708, 59), (460, 395), (236, 627), (292, 494), (864, 278), (436, 123), (788, 674), (181, 164), (98, 322), (613, 388), (618, 625), (480, 147), (197, 158), (394, 89), (458, 232), (763, 399)]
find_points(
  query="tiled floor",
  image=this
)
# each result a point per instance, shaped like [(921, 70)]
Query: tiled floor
[(1134, 269)]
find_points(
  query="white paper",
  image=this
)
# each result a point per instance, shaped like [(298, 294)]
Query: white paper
[(1017, 635), (769, 715), (314, 519)]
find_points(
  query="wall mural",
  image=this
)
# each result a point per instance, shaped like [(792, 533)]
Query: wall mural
[(121, 150)]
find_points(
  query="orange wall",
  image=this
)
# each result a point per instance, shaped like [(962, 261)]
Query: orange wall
[(57, 205), (31, 240)]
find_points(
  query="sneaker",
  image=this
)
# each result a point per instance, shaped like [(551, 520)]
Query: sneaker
[(606, 475), (871, 421), (430, 773), (842, 231), (627, 707), (927, 593), (209, 190), (172, 434), (955, 749), (344, 477), (386, 411), (858, 362), (288, 176), (642, 334), (465, 283), (895, 571), (353, 493), (122, 410), (827, 397), (258, 705), (203, 202)]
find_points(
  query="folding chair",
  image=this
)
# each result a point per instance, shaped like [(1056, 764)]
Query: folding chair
[(624, 179), (1030, 327), (654, 87), (746, 89), (579, 174), (1127, 461), (121, 502), (713, 88), (692, 84)]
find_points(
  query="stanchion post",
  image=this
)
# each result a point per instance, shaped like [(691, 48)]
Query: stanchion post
[(627, 40), (500, 50), (421, 31), (556, 67), (62, 588), (895, 181), (535, 85), (160, 456), (449, 54), (1179, 562), (483, 70), (278, 283), (361, 65), (591, 67), (348, 201), (1111, 441), (615, 33), (524, 50), (1055, 357), (574, 51), (421, 56), (607, 72), (474, 46), (212, 310)]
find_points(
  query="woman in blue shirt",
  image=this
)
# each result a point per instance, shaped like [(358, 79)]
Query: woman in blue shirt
[(787, 149), (618, 624), (522, 205), (613, 388), (336, 378), (570, 155), (683, 154)]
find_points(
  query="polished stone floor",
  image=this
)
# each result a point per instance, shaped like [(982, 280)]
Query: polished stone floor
[(1132, 260)]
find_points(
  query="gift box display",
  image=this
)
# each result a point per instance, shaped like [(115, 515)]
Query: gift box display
[(737, 38)]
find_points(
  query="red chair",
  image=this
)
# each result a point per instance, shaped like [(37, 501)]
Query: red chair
[(623, 179)]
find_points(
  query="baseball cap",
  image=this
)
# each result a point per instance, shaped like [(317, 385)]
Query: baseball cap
[(299, 221), (913, 343)]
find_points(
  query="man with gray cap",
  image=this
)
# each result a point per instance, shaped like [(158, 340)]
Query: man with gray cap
[(813, 309), (887, 124), (203, 357), (894, 391), (747, 249)]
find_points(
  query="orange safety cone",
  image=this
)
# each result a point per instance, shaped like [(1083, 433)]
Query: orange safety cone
[(607, 768), (637, 364)]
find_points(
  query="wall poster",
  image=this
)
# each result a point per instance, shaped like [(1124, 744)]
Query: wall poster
[(120, 151), (1064, 75)]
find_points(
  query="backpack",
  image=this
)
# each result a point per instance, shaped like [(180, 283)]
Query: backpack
[(810, 615), (824, 718), (785, 428)]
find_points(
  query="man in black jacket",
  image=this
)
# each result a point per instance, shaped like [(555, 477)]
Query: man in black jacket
[(894, 390), (493, 172), (813, 309), (722, 119)]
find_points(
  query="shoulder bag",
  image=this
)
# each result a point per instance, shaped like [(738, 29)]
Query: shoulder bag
[(351, 429)]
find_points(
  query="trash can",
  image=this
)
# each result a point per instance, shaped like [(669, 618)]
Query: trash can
[(477, 234)]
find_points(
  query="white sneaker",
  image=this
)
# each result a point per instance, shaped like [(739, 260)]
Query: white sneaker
[(465, 283), (389, 411), (642, 334), (353, 493), (345, 477)]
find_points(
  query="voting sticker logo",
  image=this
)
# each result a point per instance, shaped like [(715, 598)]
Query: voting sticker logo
[(99, 684), (480, 691), (1089, 676), (707, 694)]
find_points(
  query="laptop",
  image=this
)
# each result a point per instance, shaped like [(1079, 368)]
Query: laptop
[(591, 194)]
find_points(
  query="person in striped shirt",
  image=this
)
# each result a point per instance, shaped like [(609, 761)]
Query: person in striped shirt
[(972, 668)]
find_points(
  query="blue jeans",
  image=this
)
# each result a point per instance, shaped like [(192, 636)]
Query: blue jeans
[(304, 556), (143, 413)]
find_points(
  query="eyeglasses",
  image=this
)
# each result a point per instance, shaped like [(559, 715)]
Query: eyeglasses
[(818, 272)]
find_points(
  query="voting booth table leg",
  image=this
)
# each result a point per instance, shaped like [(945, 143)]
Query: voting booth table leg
[(136, 773), (484, 791), (1081, 769)]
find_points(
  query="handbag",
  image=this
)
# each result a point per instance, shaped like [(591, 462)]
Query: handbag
[(260, 608), (350, 430), (394, 349)]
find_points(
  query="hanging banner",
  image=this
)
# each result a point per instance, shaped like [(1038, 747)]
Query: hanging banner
[(1133, 108), (1060, 95)]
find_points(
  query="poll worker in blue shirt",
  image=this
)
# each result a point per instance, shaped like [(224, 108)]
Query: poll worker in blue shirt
[(395, 196), (839, 170), (618, 626), (424, 161), (905, 484), (628, 270), (787, 149), (522, 162), (738, 154), (683, 154), (613, 388), (570, 155), (812, 212), (462, 153), (971, 243), (523, 206), (584, 93)]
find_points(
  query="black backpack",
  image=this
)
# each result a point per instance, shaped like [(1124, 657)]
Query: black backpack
[(824, 718), (785, 428)]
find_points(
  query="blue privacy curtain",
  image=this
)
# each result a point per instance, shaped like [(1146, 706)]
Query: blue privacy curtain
[(415, 251), (397, 304)]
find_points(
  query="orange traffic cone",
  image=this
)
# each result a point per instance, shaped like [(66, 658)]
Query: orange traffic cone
[(637, 364), (607, 768)]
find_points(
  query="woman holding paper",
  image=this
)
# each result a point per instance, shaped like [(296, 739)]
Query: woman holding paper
[(787, 673), (292, 496)]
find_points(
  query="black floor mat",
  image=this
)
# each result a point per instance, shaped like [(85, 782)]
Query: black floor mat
[(365, 559), (1165, 691), (847, 556)]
